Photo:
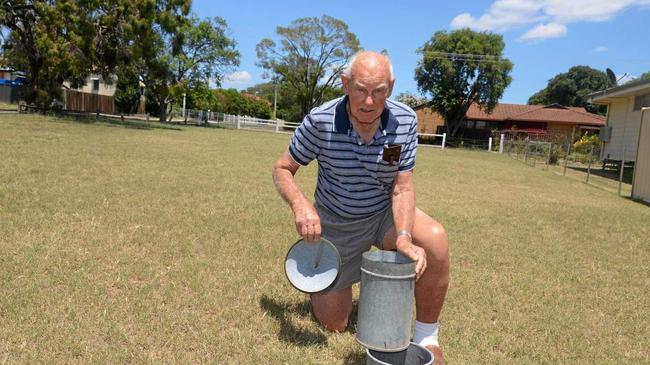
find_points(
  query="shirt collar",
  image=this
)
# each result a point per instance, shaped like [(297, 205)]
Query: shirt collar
[(342, 122)]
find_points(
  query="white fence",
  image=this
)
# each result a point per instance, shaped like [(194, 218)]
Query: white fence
[(442, 145), (222, 120)]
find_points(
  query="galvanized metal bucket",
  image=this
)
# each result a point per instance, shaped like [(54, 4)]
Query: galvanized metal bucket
[(386, 301), (413, 355)]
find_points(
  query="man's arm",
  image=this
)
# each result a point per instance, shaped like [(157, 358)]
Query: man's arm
[(306, 217), (403, 200)]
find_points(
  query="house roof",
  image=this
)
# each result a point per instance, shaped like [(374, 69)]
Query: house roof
[(554, 113), (635, 87)]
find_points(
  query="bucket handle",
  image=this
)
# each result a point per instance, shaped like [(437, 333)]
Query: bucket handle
[(388, 276)]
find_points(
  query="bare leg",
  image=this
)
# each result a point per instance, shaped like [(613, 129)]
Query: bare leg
[(431, 289), (333, 309)]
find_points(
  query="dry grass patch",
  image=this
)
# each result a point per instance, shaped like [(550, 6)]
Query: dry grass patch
[(151, 245)]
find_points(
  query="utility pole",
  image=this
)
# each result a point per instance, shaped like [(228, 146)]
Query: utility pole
[(275, 102), (183, 113)]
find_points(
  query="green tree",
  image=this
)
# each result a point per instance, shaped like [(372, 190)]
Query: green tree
[(645, 76), (411, 99), (200, 97), (177, 52), (288, 108), (127, 91), (57, 41), (460, 68), (572, 87), (310, 57), (231, 101)]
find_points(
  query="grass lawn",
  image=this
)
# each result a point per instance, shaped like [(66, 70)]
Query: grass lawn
[(136, 245)]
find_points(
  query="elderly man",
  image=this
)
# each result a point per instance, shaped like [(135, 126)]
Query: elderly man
[(365, 145)]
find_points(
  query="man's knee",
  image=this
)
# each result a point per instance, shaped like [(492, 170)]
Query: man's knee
[(334, 324), (437, 245), (332, 310)]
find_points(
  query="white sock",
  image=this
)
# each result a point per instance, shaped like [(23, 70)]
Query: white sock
[(425, 334)]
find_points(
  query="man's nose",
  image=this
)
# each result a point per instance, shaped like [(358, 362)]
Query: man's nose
[(368, 100)]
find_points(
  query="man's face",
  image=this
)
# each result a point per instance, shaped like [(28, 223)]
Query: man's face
[(367, 90)]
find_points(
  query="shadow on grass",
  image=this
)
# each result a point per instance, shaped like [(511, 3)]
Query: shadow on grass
[(289, 331), (126, 123), (607, 174)]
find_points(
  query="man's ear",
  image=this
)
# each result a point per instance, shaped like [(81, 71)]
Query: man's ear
[(346, 84), (390, 88)]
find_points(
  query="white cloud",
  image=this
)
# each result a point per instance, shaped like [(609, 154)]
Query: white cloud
[(549, 15), (238, 77), (587, 10), (501, 16), (544, 31), (601, 49)]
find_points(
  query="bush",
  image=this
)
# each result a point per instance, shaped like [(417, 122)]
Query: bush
[(585, 143)]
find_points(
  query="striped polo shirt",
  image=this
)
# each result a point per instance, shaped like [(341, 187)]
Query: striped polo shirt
[(354, 181)]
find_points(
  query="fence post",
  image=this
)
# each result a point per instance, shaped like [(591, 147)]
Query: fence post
[(501, 142), (566, 158), (526, 153), (620, 177), (591, 152), (490, 144), (444, 139), (238, 122), (277, 126), (548, 158)]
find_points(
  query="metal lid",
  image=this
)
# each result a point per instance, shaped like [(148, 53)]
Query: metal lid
[(312, 267)]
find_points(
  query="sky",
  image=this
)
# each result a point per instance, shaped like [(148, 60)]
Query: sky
[(542, 37)]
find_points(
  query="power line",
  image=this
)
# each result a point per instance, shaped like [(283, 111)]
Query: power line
[(467, 57)]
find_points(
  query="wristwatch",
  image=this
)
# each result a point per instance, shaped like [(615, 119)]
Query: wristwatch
[(406, 233)]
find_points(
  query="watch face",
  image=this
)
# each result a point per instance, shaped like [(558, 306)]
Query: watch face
[(312, 267)]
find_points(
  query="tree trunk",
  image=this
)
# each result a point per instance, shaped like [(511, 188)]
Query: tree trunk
[(163, 111)]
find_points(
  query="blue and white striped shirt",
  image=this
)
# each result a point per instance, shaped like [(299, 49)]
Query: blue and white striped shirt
[(354, 181)]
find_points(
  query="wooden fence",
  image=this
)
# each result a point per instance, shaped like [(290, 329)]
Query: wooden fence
[(10, 94), (93, 103)]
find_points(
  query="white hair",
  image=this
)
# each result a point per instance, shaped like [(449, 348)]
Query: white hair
[(347, 71)]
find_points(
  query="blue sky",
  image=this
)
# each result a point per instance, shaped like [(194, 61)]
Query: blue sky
[(542, 37)]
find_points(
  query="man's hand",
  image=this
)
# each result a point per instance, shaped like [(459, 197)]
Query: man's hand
[(415, 253), (307, 221)]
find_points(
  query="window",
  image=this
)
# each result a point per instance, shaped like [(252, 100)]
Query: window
[(641, 101), (95, 84), (480, 124)]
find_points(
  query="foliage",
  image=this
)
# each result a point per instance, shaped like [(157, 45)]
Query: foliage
[(645, 76), (572, 87), (178, 52), (288, 107), (200, 97), (411, 99), (56, 41), (310, 57), (170, 50), (454, 77), (586, 142), (231, 101), (127, 91)]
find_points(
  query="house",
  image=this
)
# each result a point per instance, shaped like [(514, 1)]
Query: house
[(552, 119), (96, 95), (11, 85), (627, 135)]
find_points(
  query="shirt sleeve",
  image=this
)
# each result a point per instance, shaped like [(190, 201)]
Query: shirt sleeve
[(304, 145), (407, 158)]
